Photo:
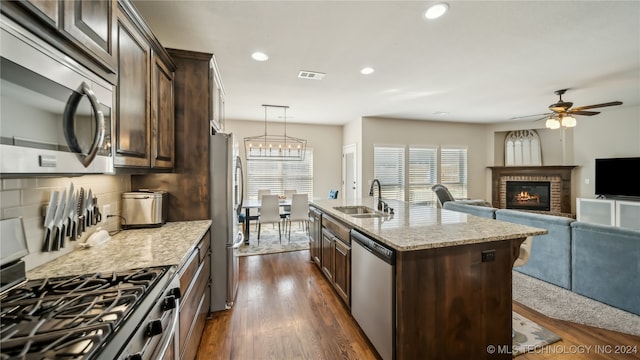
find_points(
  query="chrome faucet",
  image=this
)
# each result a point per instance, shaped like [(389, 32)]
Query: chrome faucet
[(380, 202)]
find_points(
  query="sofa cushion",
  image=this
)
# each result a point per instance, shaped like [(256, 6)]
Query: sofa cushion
[(482, 211), (550, 258), (606, 264)]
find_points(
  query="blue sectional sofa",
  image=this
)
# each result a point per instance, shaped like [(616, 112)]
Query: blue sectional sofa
[(482, 211), (605, 264), (597, 261), (550, 258)]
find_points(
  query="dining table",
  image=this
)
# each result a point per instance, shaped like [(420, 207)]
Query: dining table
[(250, 204)]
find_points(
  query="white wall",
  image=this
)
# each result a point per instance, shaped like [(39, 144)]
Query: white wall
[(411, 132), (613, 133), (326, 141)]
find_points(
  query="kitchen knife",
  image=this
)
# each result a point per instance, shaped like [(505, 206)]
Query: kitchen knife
[(72, 227), (88, 203), (49, 220), (69, 210), (58, 222), (80, 208)]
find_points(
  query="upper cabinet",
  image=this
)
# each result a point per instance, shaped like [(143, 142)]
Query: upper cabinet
[(217, 97), (85, 29), (162, 114), (145, 101), (132, 142)]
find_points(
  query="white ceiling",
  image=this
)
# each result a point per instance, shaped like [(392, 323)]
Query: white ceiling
[(483, 61)]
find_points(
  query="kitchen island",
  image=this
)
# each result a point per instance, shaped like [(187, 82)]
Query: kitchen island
[(452, 277)]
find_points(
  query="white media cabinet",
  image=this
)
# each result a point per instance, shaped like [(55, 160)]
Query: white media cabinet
[(620, 213)]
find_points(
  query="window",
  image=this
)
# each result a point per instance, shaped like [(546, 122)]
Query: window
[(453, 170), (278, 175), (388, 167), (423, 173)]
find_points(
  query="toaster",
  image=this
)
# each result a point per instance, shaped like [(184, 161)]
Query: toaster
[(142, 208)]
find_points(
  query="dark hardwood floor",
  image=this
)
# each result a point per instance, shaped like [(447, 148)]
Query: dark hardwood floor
[(285, 309)]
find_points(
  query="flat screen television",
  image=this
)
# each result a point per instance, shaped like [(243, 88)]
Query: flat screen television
[(616, 177)]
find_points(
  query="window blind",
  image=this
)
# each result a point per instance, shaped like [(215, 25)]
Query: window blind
[(279, 175), (388, 167), (453, 170), (423, 173)]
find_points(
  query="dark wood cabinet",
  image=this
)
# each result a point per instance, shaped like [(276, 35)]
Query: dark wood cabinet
[(342, 269), (162, 115), (133, 96), (326, 261), (189, 182), (82, 29), (91, 23), (336, 256), (195, 278), (315, 236), (145, 134)]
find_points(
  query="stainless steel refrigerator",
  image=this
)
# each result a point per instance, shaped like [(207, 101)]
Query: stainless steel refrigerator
[(226, 191)]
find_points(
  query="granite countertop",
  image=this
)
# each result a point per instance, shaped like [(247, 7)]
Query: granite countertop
[(170, 244), (416, 227)]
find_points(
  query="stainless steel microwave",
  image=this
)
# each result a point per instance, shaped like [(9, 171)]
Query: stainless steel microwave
[(55, 114)]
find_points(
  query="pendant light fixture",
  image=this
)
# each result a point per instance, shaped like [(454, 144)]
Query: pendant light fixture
[(274, 146)]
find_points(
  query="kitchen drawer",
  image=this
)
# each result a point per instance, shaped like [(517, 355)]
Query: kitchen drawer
[(204, 245), (194, 334), (337, 228), (188, 270), (190, 301)]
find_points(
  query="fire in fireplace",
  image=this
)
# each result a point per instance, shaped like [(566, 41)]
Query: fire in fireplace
[(529, 195)]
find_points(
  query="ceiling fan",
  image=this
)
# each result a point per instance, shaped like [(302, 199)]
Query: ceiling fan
[(562, 112)]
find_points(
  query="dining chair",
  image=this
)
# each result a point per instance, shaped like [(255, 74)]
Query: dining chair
[(269, 213), (287, 208), (262, 192), (299, 212)]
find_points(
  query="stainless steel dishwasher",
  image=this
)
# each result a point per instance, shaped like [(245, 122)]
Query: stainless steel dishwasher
[(373, 302)]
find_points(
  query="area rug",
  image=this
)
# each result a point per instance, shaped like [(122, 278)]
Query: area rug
[(270, 243), (529, 336), (559, 303)]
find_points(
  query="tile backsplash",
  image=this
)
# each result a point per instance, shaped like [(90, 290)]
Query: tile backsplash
[(27, 197)]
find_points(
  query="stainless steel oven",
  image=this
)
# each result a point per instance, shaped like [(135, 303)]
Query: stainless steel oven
[(56, 115)]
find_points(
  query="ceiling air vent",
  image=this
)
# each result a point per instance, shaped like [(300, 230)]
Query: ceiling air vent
[(312, 75)]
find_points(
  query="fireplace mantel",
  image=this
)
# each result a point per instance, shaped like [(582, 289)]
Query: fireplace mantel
[(561, 171)]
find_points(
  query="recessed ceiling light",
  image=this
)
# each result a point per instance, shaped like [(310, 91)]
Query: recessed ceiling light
[(367, 70), (440, 113), (435, 11), (259, 56)]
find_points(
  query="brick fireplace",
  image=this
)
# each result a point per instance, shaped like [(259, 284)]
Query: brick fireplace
[(558, 179)]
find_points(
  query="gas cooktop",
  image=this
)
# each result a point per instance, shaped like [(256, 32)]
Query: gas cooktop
[(71, 317)]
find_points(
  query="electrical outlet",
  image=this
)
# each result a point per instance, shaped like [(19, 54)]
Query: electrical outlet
[(488, 255), (587, 181), (106, 211)]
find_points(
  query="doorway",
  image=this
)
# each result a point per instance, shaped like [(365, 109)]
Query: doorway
[(349, 171)]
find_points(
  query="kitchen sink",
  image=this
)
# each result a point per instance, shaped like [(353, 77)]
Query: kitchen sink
[(369, 215), (360, 212), (355, 210)]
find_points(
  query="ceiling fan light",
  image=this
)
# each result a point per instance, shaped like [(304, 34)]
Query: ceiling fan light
[(552, 123), (568, 121)]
